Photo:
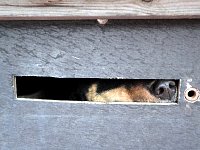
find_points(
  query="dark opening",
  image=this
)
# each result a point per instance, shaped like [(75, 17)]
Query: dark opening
[(161, 90), (191, 93), (75, 89)]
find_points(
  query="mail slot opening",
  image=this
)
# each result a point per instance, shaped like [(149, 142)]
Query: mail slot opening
[(97, 90)]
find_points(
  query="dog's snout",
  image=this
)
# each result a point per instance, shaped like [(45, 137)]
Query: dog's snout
[(165, 90)]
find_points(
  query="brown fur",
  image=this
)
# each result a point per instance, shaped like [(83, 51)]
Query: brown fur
[(141, 94), (120, 94)]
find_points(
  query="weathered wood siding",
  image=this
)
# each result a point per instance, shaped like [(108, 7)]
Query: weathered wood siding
[(93, 9)]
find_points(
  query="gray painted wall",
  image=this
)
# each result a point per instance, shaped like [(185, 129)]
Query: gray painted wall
[(141, 49)]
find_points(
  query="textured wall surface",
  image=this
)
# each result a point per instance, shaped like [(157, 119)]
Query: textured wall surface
[(130, 49)]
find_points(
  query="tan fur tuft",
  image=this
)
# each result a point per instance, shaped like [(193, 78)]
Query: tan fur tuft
[(120, 94), (140, 94)]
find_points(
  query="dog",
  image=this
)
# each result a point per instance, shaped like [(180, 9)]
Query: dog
[(153, 91)]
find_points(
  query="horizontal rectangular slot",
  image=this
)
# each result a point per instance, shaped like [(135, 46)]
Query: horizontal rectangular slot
[(97, 90)]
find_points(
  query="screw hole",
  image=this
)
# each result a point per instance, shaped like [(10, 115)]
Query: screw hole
[(191, 94)]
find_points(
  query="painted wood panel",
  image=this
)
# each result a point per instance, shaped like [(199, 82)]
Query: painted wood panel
[(75, 49)]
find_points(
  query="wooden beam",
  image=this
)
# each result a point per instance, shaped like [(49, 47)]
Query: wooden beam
[(95, 9)]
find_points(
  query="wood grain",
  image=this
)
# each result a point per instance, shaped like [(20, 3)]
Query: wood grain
[(93, 9)]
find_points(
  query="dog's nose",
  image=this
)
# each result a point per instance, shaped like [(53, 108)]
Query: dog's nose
[(165, 90)]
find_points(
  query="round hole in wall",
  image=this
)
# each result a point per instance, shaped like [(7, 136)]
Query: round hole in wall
[(191, 94)]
